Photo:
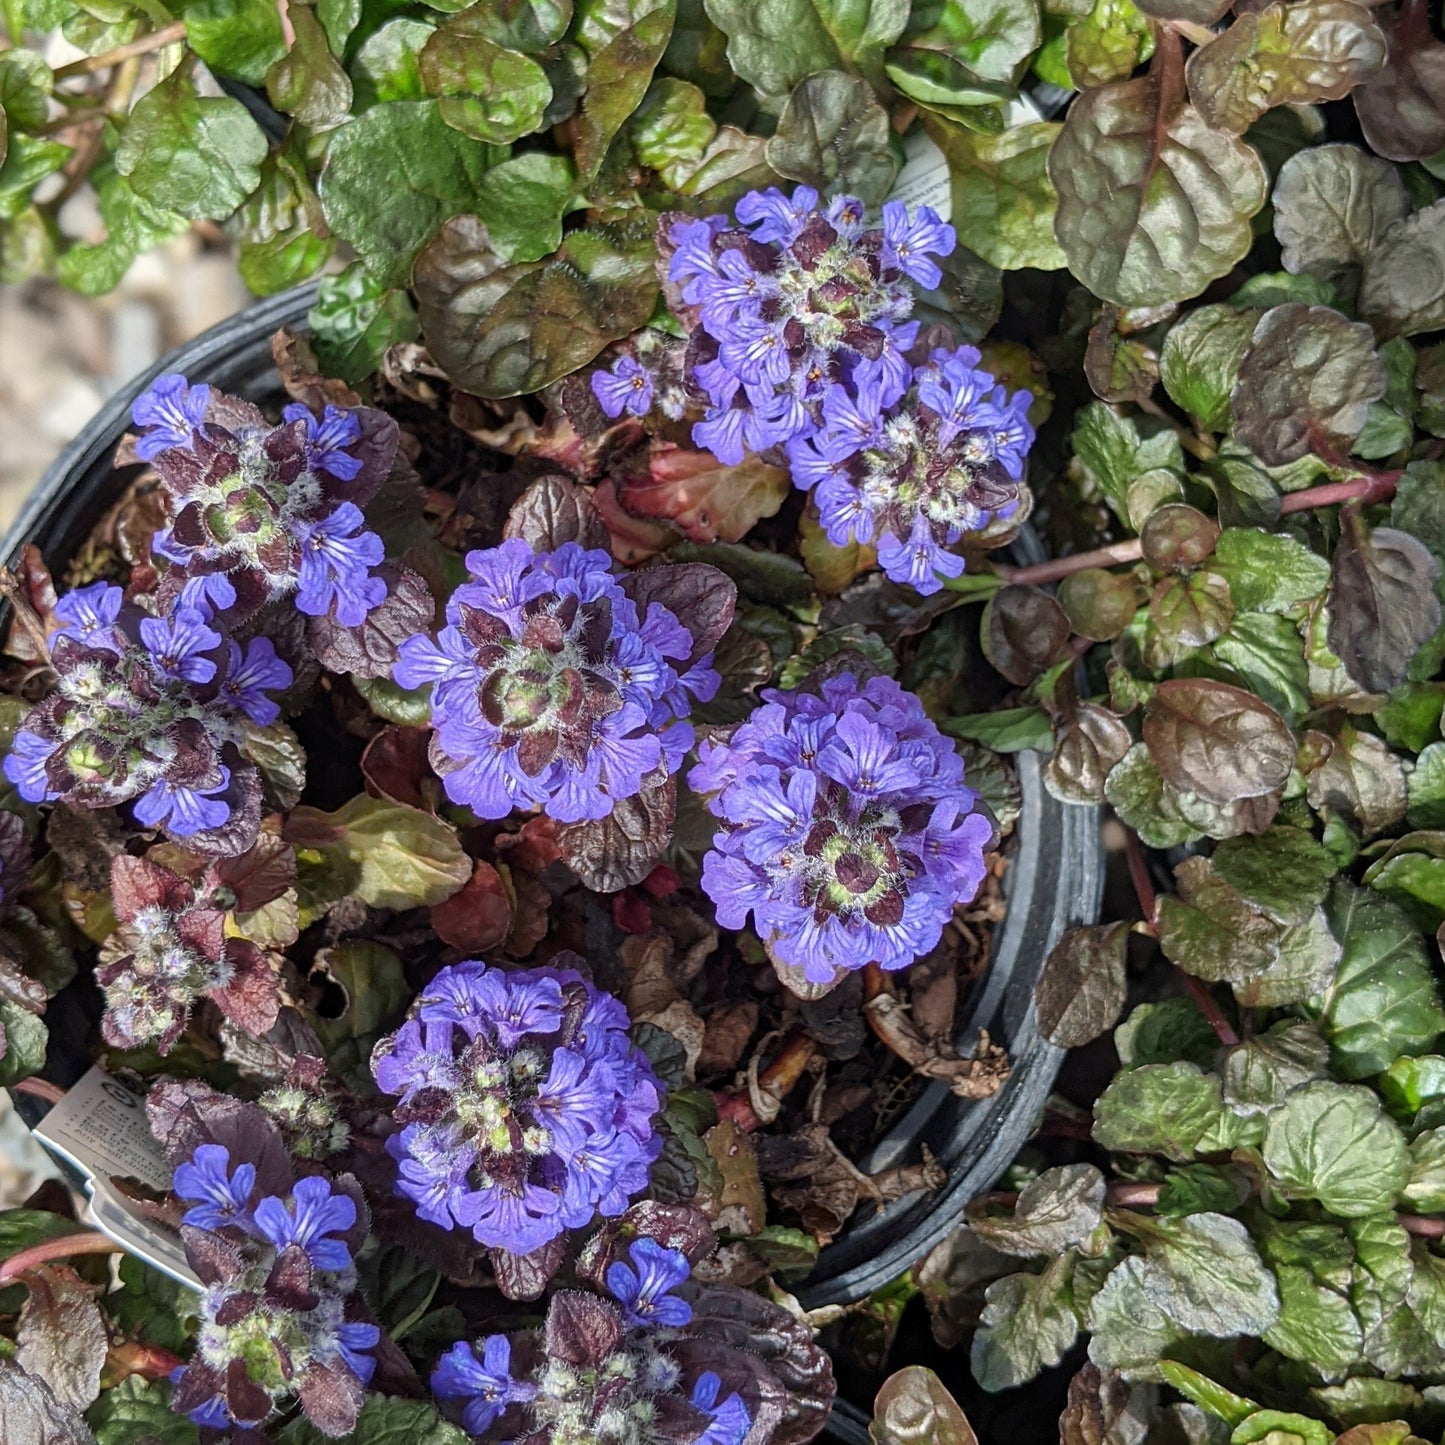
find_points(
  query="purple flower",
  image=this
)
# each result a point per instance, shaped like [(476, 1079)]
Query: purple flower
[(184, 811), (483, 1387), (627, 386), (548, 686), (250, 675), (730, 1420), (179, 644), (336, 561), (939, 460), (644, 1288), (171, 411), (353, 1340), (526, 1108), (909, 241), (312, 1214), (89, 614), (327, 439), (847, 831), (796, 301), (25, 766), (219, 1196)]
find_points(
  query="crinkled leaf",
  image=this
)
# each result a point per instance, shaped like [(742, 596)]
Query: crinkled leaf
[(1382, 602), (354, 321), (914, 1408), (1118, 367), (1402, 291), (386, 65), (1210, 931), (1268, 572), (555, 510), (24, 1037), (1117, 453), (1200, 360), (1383, 1002), (1402, 110), (623, 41), (61, 1336), (385, 1421), (833, 135), (1088, 747), (1100, 604), (1267, 655), (483, 89), (32, 1415), (1362, 778), (1316, 1324), (614, 852), (1027, 1324), (199, 156), (1129, 1332), (1175, 1110), (1003, 199), (1284, 55), (964, 52), (1259, 1073), (1153, 203), (1424, 1192), (308, 82), (521, 202), (1413, 874), (1008, 730), (1425, 789), (1024, 632), (392, 176), (773, 44), (1109, 42), (1305, 384), (26, 84), (703, 497), (1058, 1209), (236, 38), (1332, 1142), (140, 1410), (502, 330), (1284, 872), (1167, 1032), (1144, 801), (1333, 205), (1191, 611), (1217, 741)]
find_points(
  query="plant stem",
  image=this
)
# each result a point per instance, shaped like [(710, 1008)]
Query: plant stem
[(1126, 1195), (1139, 877), (1421, 1227), (40, 1089), (90, 1242), (788, 1065), (142, 45), (1376, 487)]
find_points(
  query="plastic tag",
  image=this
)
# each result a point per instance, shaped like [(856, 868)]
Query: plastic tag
[(100, 1128)]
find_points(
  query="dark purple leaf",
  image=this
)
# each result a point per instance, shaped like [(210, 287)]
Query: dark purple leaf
[(1088, 747), (581, 1329), (1218, 741), (61, 1336), (1177, 536), (526, 1276), (1025, 632), (332, 1398), (612, 853), (1382, 602), (701, 597), (554, 510), (1080, 992), (370, 649), (1402, 110)]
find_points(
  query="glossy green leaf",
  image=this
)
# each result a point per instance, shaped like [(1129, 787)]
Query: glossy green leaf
[(834, 136)]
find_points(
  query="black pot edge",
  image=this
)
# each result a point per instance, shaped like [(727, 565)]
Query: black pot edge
[(1036, 1063), (848, 1424)]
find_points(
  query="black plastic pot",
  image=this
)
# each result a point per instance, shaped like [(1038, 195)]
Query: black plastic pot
[(1053, 882)]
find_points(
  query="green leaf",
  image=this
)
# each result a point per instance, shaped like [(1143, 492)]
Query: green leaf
[(485, 90), (132, 226), (521, 202), (1109, 43), (671, 129), (1315, 50), (1007, 730), (1283, 871), (387, 66), (1003, 200), (355, 319), (308, 82), (199, 156), (1204, 1273), (1308, 957), (25, 1038), (26, 84), (1383, 1002), (392, 176), (384, 1421), (1175, 1110), (623, 41), (1145, 802), (1268, 572), (1210, 931), (773, 44), (21, 1228), (1056, 1210), (151, 1305), (388, 854), (964, 52), (1200, 361), (1165, 1032), (1027, 1323), (376, 993), (1129, 1332), (139, 1409), (1413, 874), (1276, 1427), (1425, 788), (1266, 655), (503, 330), (1333, 1143), (1424, 1191), (277, 228), (1126, 167), (1262, 1070), (833, 135), (1115, 451), (28, 161), (1402, 291), (236, 37)]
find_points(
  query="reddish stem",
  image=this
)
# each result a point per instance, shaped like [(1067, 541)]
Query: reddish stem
[(1377, 487), (64, 1247), (1423, 1228), (40, 1089), (1131, 1196), (1139, 877), (789, 1065)]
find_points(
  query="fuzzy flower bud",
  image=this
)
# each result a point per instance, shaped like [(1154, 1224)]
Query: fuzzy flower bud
[(847, 831), (914, 476), (527, 1110), (551, 686), (793, 300)]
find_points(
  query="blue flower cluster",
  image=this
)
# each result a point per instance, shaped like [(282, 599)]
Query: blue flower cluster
[(279, 1278), (795, 300), (634, 1388), (847, 831), (527, 1110), (275, 510), (915, 473), (152, 711), (551, 686)]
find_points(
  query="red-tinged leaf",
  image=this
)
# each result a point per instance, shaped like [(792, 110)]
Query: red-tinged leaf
[(33, 600), (675, 1226), (526, 1276), (258, 876), (614, 852), (634, 539), (630, 911), (1402, 109), (61, 1336), (215, 1260), (289, 1285), (370, 649), (249, 999), (1024, 633), (529, 923), (186, 1113), (396, 766), (581, 1329), (554, 510), (702, 598), (914, 1406), (31, 1415), (136, 883), (702, 497), (477, 918), (533, 848)]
